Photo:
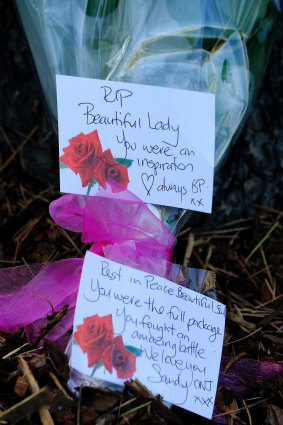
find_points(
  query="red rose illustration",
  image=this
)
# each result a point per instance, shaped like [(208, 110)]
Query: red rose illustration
[(122, 359), (95, 337), (82, 155), (107, 167)]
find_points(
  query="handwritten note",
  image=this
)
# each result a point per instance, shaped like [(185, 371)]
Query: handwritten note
[(132, 324), (164, 137)]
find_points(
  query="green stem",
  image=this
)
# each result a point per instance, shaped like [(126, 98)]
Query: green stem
[(89, 186), (262, 240)]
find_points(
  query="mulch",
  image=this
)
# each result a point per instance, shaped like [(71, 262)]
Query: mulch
[(246, 256)]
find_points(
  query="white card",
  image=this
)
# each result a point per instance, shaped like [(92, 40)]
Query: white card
[(132, 324), (164, 138)]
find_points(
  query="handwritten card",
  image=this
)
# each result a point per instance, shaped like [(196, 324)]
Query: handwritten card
[(157, 142), (132, 324)]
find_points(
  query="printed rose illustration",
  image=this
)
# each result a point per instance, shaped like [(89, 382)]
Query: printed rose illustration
[(107, 167), (82, 155), (85, 156), (96, 338), (122, 359)]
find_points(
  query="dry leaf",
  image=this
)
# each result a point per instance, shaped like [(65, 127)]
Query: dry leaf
[(225, 400), (274, 415), (101, 399), (59, 359)]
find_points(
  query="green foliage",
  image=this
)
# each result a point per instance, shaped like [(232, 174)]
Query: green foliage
[(96, 366), (62, 165), (92, 183), (124, 161), (136, 351)]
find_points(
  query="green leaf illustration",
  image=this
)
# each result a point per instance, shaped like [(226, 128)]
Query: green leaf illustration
[(134, 350), (124, 161), (96, 366), (62, 165), (92, 183)]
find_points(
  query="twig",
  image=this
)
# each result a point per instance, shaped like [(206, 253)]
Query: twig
[(219, 270), (269, 209), (240, 409), (269, 301), (260, 271), (244, 337), (25, 353), (43, 139), (26, 407), (123, 404), (239, 298), (100, 418), (248, 412), (38, 196), (269, 287), (222, 231), (240, 220), (189, 249), (43, 412), (14, 351), (9, 261), (266, 266), (242, 264), (7, 140), (65, 234), (16, 151), (79, 406), (23, 233), (57, 383), (208, 256), (47, 300), (232, 361), (198, 258), (55, 318), (134, 409)]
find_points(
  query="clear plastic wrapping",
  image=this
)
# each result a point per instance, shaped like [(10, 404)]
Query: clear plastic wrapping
[(218, 46)]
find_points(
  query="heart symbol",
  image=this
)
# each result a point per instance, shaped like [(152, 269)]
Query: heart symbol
[(147, 181)]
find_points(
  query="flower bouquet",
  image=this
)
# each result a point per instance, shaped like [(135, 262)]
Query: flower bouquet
[(216, 46)]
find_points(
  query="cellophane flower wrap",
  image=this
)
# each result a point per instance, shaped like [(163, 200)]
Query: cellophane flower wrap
[(216, 46)]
